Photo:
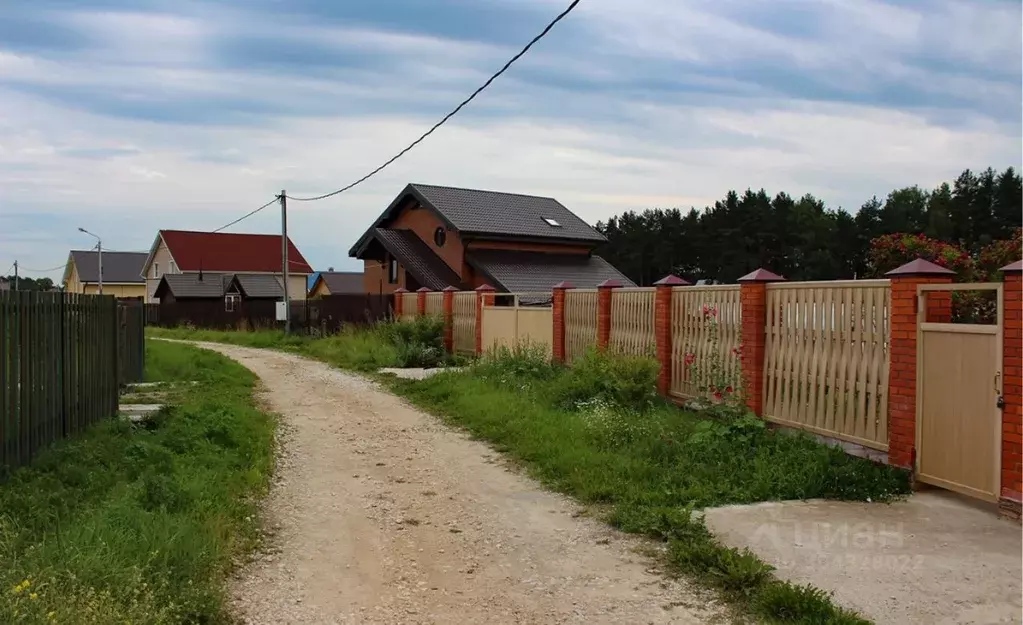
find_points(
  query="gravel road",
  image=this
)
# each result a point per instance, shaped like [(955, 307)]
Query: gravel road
[(381, 514)]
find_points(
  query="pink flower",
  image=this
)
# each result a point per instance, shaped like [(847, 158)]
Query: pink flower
[(690, 358), (718, 396), (729, 390)]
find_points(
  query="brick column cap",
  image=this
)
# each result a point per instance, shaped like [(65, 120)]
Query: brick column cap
[(401, 289), (565, 284), (920, 267), (485, 288), (761, 275), (672, 280), (424, 289), (449, 289), (1016, 267), (610, 284)]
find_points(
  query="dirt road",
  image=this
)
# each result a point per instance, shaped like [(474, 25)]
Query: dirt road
[(385, 515)]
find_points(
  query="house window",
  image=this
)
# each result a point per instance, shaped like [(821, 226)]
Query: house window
[(392, 270), (173, 267), (553, 223), (231, 301), (440, 236), (156, 270)]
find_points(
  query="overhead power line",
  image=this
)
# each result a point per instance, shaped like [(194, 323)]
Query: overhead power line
[(60, 266), (249, 214), (446, 117)]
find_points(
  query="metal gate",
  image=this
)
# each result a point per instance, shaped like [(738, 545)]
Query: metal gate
[(958, 418)]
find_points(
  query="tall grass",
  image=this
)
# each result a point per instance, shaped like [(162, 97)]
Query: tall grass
[(140, 524), (597, 432)]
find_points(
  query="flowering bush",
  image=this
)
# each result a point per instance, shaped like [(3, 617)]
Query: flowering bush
[(716, 378), (894, 250), (998, 254)]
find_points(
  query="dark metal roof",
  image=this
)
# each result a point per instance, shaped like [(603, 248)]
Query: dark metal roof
[(418, 259), (342, 281), (118, 267), (519, 272), (259, 285), (188, 285), (507, 214)]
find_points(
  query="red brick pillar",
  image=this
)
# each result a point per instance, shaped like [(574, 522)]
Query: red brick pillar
[(449, 319), (1012, 390), (902, 376), (753, 302), (421, 301), (558, 314), (484, 297), (604, 312), (662, 329), (399, 301)]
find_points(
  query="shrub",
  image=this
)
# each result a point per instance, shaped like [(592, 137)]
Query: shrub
[(893, 250), (525, 360), (419, 342), (790, 603), (626, 381)]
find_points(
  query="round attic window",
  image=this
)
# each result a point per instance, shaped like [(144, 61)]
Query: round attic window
[(440, 236)]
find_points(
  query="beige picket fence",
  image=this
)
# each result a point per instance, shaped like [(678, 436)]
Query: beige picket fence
[(580, 322), (464, 322), (632, 322), (516, 325), (435, 304), (827, 361), (409, 305), (706, 322)]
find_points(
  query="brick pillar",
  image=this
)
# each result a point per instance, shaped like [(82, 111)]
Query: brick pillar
[(604, 312), (449, 319), (903, 349), (662, 329), (753, 302), (421, 301), (399, 301), (484, 297), (1012, 391), (558, 314)]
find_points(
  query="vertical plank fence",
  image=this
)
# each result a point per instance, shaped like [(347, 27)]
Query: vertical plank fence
[(131, 342), (409, 304), (464, 321), (704, 319), (827, 359), (580, 322), (632, 322), (435, 303), (58, 368)]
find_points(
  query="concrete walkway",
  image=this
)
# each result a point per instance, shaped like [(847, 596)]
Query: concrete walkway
[(934, 558)]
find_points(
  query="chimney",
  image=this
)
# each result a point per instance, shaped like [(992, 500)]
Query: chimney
[(330, 269)]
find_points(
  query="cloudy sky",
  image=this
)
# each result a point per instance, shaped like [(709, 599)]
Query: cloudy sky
[(127, 116)]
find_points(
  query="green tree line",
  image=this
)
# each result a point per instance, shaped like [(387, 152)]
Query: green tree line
[(30, 284), (802, 239)]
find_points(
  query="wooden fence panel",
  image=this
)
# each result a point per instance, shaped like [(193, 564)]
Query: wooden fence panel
[(131, 342), (464, 322), (409, 305), (827, 359), (705, 319), (435, 303), (632, 322), (580, 322), (59, 368), (515, 326)]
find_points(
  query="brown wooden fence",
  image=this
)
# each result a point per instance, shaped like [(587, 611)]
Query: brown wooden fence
[(131, 342), (58, 368)]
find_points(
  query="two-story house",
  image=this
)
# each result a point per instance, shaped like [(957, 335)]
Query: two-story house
[(186, 252), (445, 236)]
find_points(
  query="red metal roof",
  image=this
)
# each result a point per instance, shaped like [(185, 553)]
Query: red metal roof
[(229, 252)]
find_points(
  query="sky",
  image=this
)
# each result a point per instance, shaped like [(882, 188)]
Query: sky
[(128, 116)]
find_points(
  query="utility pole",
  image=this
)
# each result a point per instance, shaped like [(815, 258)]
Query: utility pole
[(99, 261), (284, 260), (15, 275)]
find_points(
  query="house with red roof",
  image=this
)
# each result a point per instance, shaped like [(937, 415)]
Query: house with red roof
[(186, 252)]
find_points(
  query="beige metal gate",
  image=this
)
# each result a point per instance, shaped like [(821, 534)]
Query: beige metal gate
[(958, 421)]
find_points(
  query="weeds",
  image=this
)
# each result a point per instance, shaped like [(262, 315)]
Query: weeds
[(140, 524)]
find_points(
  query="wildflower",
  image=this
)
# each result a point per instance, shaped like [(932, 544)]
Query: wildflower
[(690, 358), (718, 395), (33, 596), (729, 390)]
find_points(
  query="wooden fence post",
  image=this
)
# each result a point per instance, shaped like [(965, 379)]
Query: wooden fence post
[(421, 301), (484, 297), (662, 329), (903, 350), (1011, 500), (604, 312), (753, 302), (399, 301), (558, 316), (449, 318)]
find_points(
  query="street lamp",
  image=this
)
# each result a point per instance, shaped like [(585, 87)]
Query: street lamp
[(99, 256)]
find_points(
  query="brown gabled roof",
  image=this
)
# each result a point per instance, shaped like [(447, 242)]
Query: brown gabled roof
[(492, 214), (118, 267), (518, 272), (417, 258), (341, 281), (190, 286)]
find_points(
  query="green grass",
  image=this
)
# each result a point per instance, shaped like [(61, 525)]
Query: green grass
[(647, 470), (140, 524)]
